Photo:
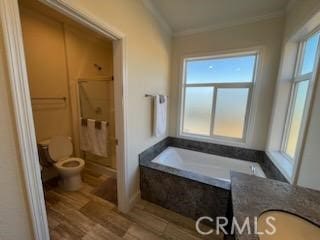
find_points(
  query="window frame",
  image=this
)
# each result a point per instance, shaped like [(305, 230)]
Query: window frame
[(246, 85), (296, 79)]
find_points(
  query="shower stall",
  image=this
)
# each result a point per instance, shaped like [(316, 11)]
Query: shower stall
[(96, 100)]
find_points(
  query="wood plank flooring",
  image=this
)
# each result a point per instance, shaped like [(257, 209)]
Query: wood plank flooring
[(83, 215)]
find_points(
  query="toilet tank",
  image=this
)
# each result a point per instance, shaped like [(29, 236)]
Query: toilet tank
[(48, 171), (44, 157)]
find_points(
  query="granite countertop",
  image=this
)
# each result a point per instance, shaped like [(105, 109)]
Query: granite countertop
[(252, 196)]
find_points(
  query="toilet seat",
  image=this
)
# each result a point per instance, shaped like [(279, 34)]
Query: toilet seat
[(60, 148), (68, 168)]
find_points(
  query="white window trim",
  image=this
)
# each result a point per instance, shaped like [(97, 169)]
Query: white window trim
[(292, 178), (246, 141)]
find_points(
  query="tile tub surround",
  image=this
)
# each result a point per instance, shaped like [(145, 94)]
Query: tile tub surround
[(251, 196), (260, 157), (211, 148), (153, 151), (186, 192), (218, 149), (270, 170), (183, 195)]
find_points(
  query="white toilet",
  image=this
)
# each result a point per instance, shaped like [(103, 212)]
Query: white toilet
[(60, 149)]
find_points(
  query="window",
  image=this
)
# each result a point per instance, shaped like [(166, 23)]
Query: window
[(304, 74), (216, 96)]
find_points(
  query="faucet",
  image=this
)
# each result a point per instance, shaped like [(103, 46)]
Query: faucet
[(253, 169)]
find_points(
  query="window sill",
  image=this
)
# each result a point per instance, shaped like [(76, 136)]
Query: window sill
[(232, 143), (284, 165)]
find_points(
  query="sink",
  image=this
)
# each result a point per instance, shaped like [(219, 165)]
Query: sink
[(288, 227)]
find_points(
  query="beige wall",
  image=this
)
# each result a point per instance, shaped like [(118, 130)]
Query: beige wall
[(267, 34), (14, 216), (47, 71)]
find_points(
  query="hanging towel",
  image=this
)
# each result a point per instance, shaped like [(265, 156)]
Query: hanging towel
[(160, 115), (84, 136), (101, 135), (98, 137), (91, 135)]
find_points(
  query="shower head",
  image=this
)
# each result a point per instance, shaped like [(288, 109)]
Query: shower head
[(97, 66)]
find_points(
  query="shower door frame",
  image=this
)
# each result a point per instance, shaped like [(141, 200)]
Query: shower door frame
[(79, 114), (13, 41)]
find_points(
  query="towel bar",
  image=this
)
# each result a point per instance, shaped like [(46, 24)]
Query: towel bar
[(151, 95), (84, 122), (49, 98)]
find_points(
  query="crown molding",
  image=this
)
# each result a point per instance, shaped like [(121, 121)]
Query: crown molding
[(158, 16), (229, 24)]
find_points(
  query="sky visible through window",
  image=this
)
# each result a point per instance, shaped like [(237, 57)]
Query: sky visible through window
[(310, 53), (223, 70)]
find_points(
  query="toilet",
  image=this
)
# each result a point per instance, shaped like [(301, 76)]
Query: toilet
[(60, 150)]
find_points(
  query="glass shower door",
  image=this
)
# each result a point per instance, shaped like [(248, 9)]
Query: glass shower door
[(97, 103)]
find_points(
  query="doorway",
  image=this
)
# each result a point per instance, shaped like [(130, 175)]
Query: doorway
[(23, 107), (70, 72)]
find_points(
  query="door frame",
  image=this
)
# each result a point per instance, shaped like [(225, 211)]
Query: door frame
[(13, 40)]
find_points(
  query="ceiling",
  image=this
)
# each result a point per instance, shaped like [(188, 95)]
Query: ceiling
[(187, 16)]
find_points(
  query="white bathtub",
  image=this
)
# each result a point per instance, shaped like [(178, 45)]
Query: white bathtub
[(206, 164)]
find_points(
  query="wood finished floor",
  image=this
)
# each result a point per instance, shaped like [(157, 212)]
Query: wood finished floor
[(83, 215)]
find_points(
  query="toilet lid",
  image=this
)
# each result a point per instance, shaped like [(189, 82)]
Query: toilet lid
[(60, 148)]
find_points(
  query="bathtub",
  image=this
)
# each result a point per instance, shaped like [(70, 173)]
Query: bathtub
[(209, 165)]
